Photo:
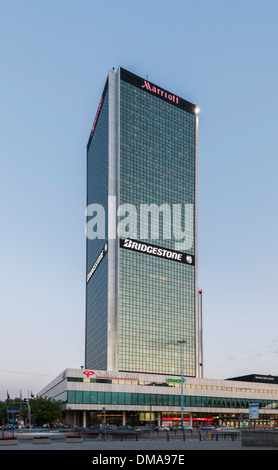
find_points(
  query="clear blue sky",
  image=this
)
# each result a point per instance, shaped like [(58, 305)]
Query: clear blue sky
[(54, 58)]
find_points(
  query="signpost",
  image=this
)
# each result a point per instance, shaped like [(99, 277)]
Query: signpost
[(182, 342), (104, 419), (18, 411)]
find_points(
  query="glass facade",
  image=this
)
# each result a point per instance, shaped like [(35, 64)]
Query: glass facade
[(156, 296), (159, 399), (96, 288), (138, 306)]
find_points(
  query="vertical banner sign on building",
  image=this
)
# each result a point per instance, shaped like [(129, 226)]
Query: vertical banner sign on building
[(254, 411)]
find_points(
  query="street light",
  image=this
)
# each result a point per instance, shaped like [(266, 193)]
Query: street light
[(181, 342)]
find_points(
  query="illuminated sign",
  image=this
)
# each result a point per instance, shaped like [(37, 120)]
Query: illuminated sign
[(187, 419), (97, 115), (254, 411), (175, 380), (97, 262), (153, 250), (157, 91), (265, 378), (160, 92), (88, 373), (110, 375)]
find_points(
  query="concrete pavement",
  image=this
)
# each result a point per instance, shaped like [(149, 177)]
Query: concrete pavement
[(143, 444)]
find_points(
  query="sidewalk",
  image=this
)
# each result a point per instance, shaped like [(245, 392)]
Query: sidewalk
[(140, 445)]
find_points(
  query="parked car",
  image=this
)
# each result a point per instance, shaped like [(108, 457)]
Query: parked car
[(173, 428), (142, 429), (95, 427), (186, 427), (162, 428), (109, 427), (225, 428), (207, 428), (125, 427)]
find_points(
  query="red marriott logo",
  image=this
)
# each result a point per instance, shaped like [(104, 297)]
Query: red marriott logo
[(162, 93), (97, 115)]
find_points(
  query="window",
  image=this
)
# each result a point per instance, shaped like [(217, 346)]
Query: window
[(100, 397), (108, 398), (115, 398), (78, 396), (94, 400), (71, 396), (128, 398)]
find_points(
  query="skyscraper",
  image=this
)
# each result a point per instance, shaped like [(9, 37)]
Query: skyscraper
[(143, 305), (141, 248)]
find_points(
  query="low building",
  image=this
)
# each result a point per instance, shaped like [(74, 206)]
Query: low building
[(91, 396)]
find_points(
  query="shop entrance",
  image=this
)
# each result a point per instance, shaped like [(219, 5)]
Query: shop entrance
[(115, 418)]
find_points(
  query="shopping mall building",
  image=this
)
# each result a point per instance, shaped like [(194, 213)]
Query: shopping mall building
[(144, 314), (90, 396)]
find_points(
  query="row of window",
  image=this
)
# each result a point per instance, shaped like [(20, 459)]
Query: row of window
[(148, 399), (171, 384), (153, 137)]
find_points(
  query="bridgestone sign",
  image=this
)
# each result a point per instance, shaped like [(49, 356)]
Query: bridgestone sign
[(97, 262), (158, 251)]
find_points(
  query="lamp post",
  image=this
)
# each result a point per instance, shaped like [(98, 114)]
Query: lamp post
[(181, 342)]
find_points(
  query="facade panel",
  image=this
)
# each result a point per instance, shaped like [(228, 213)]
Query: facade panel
[(156, 296), (97, 266)]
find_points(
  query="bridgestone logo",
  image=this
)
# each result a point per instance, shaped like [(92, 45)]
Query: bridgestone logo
[(97, 262), (160, 252)]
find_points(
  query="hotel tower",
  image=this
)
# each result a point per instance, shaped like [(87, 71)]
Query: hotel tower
[(142, 295)]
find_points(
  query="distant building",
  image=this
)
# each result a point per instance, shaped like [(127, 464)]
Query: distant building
[(257, 378)]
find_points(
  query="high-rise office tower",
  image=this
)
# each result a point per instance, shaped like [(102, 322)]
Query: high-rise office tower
[(141, 286)]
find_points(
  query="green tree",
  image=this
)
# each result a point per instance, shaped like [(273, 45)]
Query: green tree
[(43, 410), (3, 412), (12, 403)]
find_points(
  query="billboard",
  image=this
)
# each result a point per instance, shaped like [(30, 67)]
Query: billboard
[(254, 411)]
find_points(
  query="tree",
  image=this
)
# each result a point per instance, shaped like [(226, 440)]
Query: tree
[(3, 412), (11, 403), (44, 410)]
